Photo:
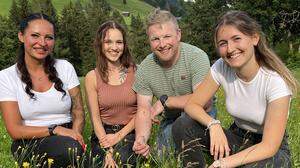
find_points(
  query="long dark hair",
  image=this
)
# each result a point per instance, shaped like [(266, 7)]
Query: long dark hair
[(101, 60), (48, 63), (264, 55)]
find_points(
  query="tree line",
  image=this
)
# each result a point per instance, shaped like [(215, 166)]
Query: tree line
[(77, 24)]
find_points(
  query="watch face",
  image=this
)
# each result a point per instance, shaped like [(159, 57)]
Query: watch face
[(52, 126), (163, 98)]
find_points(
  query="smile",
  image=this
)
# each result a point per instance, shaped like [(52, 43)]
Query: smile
[(233, 56), (165, 50), (40, 50)]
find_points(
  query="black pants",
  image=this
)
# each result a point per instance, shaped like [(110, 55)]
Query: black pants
[(62, 149), (192, 139), (123, 153)]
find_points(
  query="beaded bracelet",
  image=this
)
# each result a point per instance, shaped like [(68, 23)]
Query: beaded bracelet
[(219, 164), (213, 122)]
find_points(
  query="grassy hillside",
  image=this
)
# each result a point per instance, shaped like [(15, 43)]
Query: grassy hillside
[(133, 6)]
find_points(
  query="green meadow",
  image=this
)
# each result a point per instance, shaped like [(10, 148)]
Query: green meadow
[(133, 6), (139, 7), (6, 160)]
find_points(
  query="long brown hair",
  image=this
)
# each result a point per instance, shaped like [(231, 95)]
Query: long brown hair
[(101, 60), (264, 55)]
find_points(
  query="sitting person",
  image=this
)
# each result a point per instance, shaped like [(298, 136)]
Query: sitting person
[(258, 89), (170, 73), (111, 101), (40, 99)]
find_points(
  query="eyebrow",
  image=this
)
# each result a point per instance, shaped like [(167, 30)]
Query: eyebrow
[(234, 36)]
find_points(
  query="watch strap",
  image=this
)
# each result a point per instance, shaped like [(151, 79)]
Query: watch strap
[(163, 99), (51, 129)]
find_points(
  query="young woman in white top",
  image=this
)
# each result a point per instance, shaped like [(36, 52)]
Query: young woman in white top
[(258, 88), (40, 98)]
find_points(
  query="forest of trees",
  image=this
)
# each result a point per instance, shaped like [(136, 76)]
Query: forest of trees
[(78, 22)]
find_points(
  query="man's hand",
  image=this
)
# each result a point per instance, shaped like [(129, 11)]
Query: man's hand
[(141, 147)]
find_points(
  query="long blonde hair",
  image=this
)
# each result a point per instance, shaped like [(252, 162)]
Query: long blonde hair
[(265, 56)]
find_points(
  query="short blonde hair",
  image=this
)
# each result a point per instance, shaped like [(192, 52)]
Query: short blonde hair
[(158, 16)]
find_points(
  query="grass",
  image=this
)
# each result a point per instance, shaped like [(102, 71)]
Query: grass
[(6, 4), (7, 161), (133, 6)]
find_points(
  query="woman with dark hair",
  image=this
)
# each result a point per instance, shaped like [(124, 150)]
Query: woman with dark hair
[(111, 101), (40, 99), (258, 89)]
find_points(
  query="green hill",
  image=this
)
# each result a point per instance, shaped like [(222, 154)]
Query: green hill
[(132, 6)]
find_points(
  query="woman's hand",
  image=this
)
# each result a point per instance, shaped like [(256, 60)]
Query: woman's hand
[(109, 161), (218, 142), (62, 131), (110, 140)]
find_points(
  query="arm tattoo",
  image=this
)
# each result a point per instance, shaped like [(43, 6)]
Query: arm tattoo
[(77, 111), (76, 101), (123, 74)]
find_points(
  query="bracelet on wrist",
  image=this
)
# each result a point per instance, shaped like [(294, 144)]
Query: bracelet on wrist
[(213, 122), (219, 164), (109, 150)]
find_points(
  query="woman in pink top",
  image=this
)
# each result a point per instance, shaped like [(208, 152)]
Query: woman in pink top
[(111, 101)]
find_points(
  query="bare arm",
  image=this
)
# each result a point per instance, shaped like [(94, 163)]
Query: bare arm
[(178, 102), (92, 102), (127, 129), (142, 125), (143, 117), (14, 125), (195, 106), (277, 112), (195, 109), (78, 116), (17, 130)]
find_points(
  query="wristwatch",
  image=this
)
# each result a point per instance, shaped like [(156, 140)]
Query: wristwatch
[(51, 129), (163, 99)]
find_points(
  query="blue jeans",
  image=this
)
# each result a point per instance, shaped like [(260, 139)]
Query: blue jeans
[(164, 139)]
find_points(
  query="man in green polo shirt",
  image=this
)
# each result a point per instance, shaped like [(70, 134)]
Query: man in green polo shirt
[(170, 73)]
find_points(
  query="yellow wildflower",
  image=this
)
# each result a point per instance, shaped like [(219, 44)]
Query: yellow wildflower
[(25, 164), (50, 162)]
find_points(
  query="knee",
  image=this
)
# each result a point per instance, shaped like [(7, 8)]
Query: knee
[(182, 124), (179, 129), (68, 148)]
